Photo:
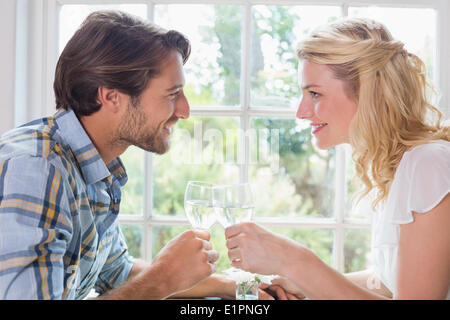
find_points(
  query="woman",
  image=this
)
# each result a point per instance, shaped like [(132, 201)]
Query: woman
[(360, 86)]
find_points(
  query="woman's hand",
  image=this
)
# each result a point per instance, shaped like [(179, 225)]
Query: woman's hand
[(256, 249)]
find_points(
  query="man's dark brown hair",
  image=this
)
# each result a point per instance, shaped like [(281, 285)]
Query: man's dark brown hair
[(112, 49)]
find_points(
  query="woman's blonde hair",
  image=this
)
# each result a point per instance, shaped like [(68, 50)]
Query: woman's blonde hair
[(390, 87)]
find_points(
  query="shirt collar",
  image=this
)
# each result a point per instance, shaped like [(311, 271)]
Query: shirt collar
[(92, 166)]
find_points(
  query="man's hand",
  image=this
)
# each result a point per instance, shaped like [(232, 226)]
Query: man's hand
[(181, 264), (283, 289), (186, 260)]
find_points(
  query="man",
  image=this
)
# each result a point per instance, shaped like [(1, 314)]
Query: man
[(118, 82)]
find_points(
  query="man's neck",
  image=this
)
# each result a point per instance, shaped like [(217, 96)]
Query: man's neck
[(100, 130)]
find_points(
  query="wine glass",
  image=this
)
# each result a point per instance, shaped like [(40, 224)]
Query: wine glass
[(233, 203), (198, 204)]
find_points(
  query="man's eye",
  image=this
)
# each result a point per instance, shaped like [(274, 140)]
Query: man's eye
[(314, 94)]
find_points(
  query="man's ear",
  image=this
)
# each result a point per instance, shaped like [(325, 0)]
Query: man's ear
[(109, 98)]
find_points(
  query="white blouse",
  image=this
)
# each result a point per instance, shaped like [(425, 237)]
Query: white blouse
[(420, 183)]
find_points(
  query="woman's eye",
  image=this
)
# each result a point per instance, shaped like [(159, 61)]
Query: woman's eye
[(174, 95)]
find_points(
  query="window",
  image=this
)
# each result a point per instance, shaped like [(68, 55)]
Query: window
[(241, 81)]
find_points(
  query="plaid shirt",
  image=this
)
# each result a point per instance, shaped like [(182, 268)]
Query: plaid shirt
[(59, 234)]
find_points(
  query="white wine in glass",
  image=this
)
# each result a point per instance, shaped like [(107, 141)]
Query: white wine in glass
[(233, 203), (198, 204)]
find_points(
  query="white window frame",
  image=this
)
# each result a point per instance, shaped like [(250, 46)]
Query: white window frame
[(37, 32)]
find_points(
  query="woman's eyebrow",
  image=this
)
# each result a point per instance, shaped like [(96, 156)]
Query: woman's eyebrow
[(306, 87)]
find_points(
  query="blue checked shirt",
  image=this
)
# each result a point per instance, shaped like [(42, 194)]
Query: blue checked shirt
[(59, 234)]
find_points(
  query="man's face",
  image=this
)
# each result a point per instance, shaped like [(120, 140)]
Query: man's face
[(147, 123)]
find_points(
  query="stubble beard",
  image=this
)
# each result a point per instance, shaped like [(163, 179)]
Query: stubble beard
[(133, 130)]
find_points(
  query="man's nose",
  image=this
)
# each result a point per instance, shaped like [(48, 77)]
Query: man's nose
[(304, 110), (182, 107)]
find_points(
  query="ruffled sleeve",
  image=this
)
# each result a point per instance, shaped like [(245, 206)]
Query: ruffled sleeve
[(421, 182)]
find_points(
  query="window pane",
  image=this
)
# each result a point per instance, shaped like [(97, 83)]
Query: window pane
[(353, 208), (275, 33), (415, 27), (214, 68), (320, 241), (72, 15), (132, 193), (133, 238), (356, 249), (161, 235), (202, 149), (302, 182)]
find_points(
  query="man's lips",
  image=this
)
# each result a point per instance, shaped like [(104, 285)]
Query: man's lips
[(167, 128)]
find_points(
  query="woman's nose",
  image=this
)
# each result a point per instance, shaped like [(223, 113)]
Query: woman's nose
[(304, 110)]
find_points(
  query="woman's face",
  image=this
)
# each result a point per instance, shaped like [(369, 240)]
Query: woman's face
[(325, 104)]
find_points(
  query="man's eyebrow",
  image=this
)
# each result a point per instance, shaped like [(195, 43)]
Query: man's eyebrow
[(175, 87), (306, 87)]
